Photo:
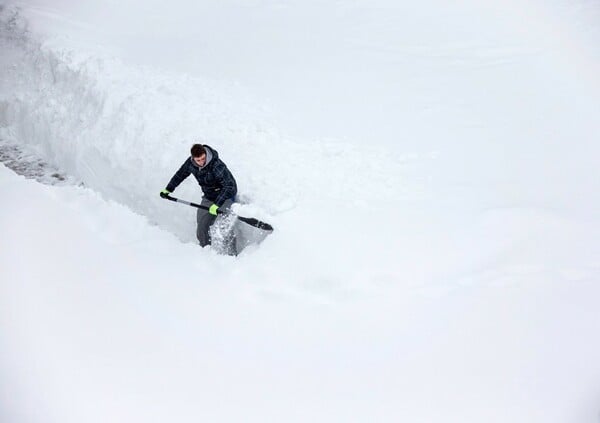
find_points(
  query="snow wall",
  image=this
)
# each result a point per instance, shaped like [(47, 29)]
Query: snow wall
[(123, 132)]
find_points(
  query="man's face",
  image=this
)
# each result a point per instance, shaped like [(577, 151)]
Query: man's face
[(200, 161)]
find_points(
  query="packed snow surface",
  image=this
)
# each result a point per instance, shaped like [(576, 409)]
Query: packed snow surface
[(430, 169)]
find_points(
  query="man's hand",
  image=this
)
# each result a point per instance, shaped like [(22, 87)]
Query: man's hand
[(213, 209), (165, 193)]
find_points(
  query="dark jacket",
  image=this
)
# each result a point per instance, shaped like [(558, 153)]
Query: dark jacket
[(217, 182)]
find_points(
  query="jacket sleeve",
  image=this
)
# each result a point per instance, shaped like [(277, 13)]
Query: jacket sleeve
[(228, 185), (180, 175)]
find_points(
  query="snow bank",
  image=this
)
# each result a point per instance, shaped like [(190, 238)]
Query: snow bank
[(124, 131), (121, 131), (456, 285), (107, 318)]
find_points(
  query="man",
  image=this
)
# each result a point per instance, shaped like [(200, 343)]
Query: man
[(217, 182)]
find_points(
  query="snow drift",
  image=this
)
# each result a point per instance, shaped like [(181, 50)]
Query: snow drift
[(444, 270)]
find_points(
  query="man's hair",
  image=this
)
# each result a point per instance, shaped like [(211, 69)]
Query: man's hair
[(197, 150)]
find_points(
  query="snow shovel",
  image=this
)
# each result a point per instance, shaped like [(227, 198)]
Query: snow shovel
[(248, 220)]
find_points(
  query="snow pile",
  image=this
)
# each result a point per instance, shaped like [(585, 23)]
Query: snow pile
[(107, 318), (124, 131), (445, 271), (120, 130)]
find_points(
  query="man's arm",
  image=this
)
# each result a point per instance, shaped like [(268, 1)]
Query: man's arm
[(180, 175)]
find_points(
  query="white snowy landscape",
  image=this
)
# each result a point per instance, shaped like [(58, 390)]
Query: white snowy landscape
[(430, 169)]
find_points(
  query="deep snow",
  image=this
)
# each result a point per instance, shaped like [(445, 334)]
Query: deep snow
[(430, 170)]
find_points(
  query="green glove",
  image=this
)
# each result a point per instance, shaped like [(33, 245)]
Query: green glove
[(165, 193), (213, 209)]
